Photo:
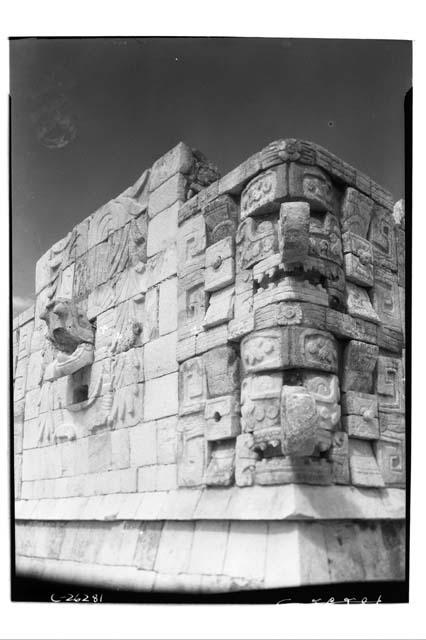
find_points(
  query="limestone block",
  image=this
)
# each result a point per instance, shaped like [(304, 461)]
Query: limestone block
[(348, 327), (161, 266), (191, 244), (20, 381), (256, 240), (358, 303), (400, 254), (390, 455), (260, 406), (222, 371), (34, 370), (221, 217), (82, 284), (192, 386), (211, 338), (147, 545), (296, 469), (186, 348), (42, 272), (220, 469), (32, 403), (25, 335), (17, 469), (390, 339), (168, 306), (79, 242), (160, 356), (390, 385), (240, 327), (359, 362), (166, 440), (314, 185), (222, 417), (147, 478), (385, 298), (220, 265), (166, 479), (264, 193), (109, 218), (100, 300), (171, 192), (161, 397), (325, 389), (325, 238), (245, 460), (356, 213), (293, 231), (289, 347), (298, 421), (358, 255), (246, 540), (220, 308), (120, 449), (191, 450), (100, 452), (65, 287), (235, 180), (359, 404), (382, 237), (150, 324), (174, 548), (191, 304), (162, 230), (360, 427), (178, 159), (338, 455), (392, 425), (212, 536), (127, 406), (363, 466)]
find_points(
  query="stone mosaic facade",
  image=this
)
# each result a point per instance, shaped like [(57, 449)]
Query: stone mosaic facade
[(209, 390)]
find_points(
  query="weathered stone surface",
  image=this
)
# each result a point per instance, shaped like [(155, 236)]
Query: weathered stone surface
[(162, 230), (191, 243), (169, 193), (222, 371), (289, 347), (390, 385), (314, 185), (363, 466), (256, 240), (356, 212), (222, 417), (161, 397), (160, 356), (221, 218), (358, 303), (191, 304), (220, 308), (360, 427), (385, 298), (358, 256), (359, 361), (191, 450), (298, 421), (264, 193), (300, 470), (220, 469), (150, 323), (192, 386), (293, 232), (382, 237), (220, 265), (390, 455), (177, 160)]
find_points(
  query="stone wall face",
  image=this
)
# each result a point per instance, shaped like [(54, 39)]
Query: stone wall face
[(218, 359)]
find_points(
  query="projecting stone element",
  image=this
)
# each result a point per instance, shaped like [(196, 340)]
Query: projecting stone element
[(357, 210), (299, 421), (220, 470), (265, 192), (325, 239), (385, 298), (289, 347), (220, 265), (245, 460), (312, 184), (260, 407), (293, 232), (390, 385), (324, 388), (298, 470), (363, 465), (222, 418)]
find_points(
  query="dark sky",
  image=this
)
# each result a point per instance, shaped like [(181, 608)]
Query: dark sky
[(89, 115)]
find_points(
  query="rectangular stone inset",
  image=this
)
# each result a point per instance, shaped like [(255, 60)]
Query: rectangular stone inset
[(161, 397), (222, 416), (363, 466)]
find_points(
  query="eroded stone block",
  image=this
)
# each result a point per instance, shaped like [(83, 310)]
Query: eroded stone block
[(220, 265), (265, 192), (222, 417)]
